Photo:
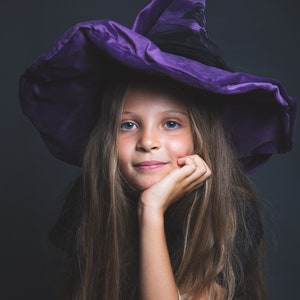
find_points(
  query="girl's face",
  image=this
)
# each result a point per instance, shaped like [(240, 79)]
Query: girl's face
[(155, 131)]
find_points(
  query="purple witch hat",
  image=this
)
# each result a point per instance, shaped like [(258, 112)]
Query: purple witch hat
[(60, 92)]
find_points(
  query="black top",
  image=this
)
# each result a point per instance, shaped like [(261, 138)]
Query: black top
[(63, 234)]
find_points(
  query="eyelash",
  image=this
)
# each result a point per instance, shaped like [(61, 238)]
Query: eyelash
[(126, 123), (136, 126), (174, 122)]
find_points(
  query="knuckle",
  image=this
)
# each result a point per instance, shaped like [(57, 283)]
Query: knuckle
[(193, 167)]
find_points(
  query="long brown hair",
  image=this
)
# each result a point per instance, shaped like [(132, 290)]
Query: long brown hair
[(209, 233)]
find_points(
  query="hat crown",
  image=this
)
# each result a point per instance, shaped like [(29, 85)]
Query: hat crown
[(160, 13), (179, 27)]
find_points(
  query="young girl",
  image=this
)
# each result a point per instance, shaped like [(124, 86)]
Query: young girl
[(163, 208)]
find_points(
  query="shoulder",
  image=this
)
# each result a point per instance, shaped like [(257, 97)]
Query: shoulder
[(63, 234), (249, 232)]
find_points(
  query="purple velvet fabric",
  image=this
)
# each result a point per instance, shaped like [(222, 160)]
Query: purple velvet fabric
[(61, 90)]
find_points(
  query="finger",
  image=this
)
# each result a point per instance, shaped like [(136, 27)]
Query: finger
[(194, 169), (187, 160), (180, 175), (193, 182), (208, 170), (192, 164), (195, 185), (188, 168), (198, 162), (181, 161), (201, 173)]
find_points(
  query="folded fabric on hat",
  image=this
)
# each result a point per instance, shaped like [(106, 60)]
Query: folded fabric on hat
[(61, 91)]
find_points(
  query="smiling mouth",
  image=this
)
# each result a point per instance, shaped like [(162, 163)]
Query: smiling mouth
[(149, 165)]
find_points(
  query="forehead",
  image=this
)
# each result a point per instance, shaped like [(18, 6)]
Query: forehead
[(147, 97)]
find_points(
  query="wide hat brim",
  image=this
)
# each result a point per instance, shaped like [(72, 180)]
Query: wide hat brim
[(60, 92)]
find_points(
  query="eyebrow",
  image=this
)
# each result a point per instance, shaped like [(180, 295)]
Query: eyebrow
[(175, 112), (164, 112)]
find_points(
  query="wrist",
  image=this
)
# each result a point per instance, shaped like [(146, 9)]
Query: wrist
[(148, 214)]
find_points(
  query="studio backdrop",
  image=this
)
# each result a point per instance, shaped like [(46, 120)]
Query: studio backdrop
[(260, 37)]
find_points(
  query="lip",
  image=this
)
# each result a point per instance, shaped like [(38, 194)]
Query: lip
[(149, 165)]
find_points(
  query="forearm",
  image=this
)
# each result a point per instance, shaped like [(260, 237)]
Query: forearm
[(156, 275)]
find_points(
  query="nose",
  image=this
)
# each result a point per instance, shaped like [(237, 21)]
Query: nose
[(149, 140)]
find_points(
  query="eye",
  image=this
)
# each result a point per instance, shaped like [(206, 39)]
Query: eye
[(128, 126), (171, 124)]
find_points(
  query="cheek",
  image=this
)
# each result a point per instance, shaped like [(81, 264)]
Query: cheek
[(181, 147), (122, 152), (126, 150), (123, 164)]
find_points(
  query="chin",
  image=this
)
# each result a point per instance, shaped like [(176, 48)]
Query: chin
[(145, 184)]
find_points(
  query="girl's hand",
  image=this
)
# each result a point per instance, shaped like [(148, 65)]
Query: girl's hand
[(156, 275), (191, 174)]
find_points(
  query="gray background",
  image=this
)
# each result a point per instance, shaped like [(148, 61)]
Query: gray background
[(258, 36)]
